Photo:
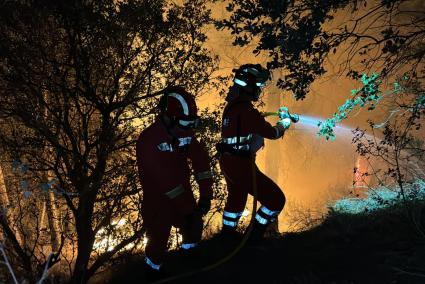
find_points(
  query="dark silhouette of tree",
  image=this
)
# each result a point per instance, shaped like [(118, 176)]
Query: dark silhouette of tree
[(79, 79), (384, 36)]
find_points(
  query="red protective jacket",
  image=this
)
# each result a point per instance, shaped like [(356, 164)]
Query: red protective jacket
[(163, 166), (250, 120)]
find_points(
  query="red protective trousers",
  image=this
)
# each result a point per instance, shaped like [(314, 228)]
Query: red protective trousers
[(238, 174), (168, 200)]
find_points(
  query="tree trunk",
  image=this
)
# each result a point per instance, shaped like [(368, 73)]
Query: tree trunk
[(11, 234), (4, 196), (53, 215), (53, 218), (52, 210), (5, 202), (85, 238), (43, 215)]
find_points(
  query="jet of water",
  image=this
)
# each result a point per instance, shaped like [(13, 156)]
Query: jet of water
[(314, 121)]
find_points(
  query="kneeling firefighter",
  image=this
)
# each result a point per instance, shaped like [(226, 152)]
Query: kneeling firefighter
[(243, 131), (163, 150)]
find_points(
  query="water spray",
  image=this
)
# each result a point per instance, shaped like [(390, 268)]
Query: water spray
[(302, 119)]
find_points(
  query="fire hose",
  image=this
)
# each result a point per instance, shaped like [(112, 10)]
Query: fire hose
[(237, 249), (282, 113)]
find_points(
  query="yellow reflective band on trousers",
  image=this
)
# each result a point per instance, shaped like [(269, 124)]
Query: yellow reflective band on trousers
[(230, 223), (175, 191), (269, 212), (261, 220), (233, 215)]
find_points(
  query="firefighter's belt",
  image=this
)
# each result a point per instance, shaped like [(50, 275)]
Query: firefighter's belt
[(203, 175), (175, 192), (243, 150), (234, 140)]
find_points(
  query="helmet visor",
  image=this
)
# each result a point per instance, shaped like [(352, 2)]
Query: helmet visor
[(252, 75)]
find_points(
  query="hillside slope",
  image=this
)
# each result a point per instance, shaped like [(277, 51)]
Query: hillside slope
[(377, 247)]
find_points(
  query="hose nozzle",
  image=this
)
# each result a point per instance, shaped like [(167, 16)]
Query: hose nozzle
[(284, 113)]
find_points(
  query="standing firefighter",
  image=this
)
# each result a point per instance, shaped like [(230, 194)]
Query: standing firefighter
[(163, 150), (243, 133)]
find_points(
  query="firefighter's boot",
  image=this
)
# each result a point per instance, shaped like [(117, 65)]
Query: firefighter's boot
[(263, 218), (151, 275), (230, 233), (228, 238), (257, 233), (190, 252)]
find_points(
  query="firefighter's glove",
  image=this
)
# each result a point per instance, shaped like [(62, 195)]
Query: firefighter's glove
[(204, 205), (284, 123)]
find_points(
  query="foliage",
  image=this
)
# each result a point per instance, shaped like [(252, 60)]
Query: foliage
[(395, 149), (301, 36), (79, 79), (369, 95)]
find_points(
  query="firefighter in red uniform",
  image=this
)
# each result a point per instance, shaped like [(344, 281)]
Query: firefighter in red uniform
[(243, 133), (162, 152)]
